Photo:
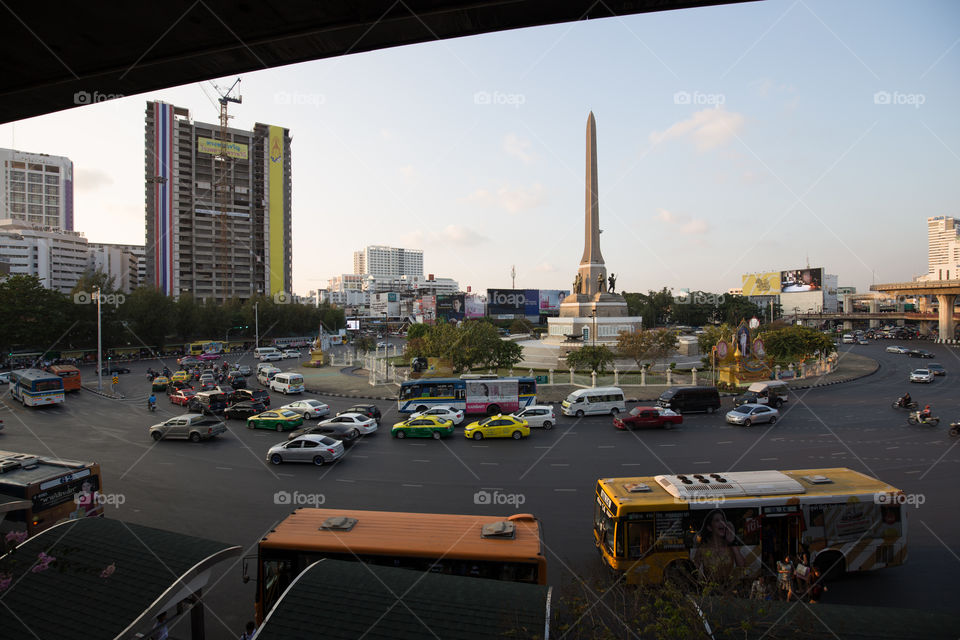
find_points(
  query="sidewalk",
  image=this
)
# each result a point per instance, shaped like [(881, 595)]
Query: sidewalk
[(349, 383)]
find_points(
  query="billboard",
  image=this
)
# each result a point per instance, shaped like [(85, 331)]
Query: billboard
[(475, 306), (800, 280), (216, 147), (428, 309), (450, 307), (502, 302), (531, 304), (761, 284), (550, 299)]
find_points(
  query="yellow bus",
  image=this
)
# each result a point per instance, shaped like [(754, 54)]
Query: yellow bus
[(738, 523), (495, 547)]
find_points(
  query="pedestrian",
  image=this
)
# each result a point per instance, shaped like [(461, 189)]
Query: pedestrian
[(760, 589), (802, 575), (816, 585), (785, 577), (249, 630), (160, 631)]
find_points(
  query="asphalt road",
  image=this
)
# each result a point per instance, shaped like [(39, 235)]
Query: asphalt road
[(225, 490)]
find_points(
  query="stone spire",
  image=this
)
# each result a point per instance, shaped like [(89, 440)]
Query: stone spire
[(591, 243)]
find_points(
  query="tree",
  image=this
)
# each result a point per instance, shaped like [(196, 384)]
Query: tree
[(30, 315), (664, 342), (364, 344), (733, 309), (417, 331), (508, 354), (521, 325), (795, 343), (636, 345), (654, 306), (592, 358), (711, 335), (149, 315)]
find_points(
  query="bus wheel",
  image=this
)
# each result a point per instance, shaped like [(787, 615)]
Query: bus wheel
[(493, 410), (614, 412), (517, 435), (478, 436), (436, 435)]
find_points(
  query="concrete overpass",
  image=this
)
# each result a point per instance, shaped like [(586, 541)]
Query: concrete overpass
[(945, 291)]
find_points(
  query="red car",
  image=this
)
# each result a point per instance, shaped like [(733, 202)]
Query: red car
[(182, 397), (648, 417)]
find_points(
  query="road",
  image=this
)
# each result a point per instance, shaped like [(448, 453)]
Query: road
[(225, 490)]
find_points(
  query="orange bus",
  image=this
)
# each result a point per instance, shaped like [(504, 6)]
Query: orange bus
[(494, 547), (70, 375)]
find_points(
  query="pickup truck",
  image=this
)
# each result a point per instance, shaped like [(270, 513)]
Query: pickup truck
[(191, 426)]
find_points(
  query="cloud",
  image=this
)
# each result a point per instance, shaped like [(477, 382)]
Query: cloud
[(458, 234), (708, 129), (92, 179), (513, 199), (408, 172), (518, 148), (683, 223)]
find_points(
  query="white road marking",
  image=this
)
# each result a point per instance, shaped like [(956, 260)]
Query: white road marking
[(491, 464), (631, 464), (559, 464), (606, 446), (344, 480), (767, 459), (565, 490), (667, 445), (480, 446), (538, 447), (702, 462), (411, 485), (725, 442), (359, 456), (225, 468), (420, 461), (889, 448), (286, 475)]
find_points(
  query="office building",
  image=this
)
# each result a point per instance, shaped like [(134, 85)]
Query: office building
[(943, 247), (117, 262), (388, 262), (58, 258), (36, 188), (218, 207)]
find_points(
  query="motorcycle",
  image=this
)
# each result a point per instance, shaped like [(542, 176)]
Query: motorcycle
[(910, 405), (914, 418), (152, 406), (954, 429)]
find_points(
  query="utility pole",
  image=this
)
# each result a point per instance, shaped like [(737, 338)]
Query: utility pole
[(256, 324), (99, 347), (513, 277)]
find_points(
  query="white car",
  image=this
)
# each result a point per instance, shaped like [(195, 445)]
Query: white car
[(271, 357), (896, 349), (317, 449), (5, 378), (538, 415), (308, 408), (921, 375), (360, 422), (291, 353), (442, 411)]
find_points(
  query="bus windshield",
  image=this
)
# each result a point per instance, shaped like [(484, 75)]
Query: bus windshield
[(47, 385)]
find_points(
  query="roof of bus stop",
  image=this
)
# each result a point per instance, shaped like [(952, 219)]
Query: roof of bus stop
[(103, 578)]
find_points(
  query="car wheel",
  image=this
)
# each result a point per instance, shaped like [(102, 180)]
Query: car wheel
[(579, 413), (436, 435), (306, 415), (279, 427), (250, 425), (668, 425), (773, 419), (276, 459), (318, 460), (354, 434), (401, 434), (156, 435), (517, 435), (478, 436), (614, 412), (547, 425), (747, 422), (194, 437)]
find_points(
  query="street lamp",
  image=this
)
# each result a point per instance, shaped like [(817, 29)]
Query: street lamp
[(256, 323), (593, 314), (99, 347)]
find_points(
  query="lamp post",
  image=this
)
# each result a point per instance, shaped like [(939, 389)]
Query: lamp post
[(593, 314), (99, 347), (256, 324)]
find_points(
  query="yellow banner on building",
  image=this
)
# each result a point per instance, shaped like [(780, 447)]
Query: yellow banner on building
[(761, 284), (277, 196), (216, 147)]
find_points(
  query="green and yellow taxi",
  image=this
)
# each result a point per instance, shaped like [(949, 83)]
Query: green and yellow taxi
[(180, 376), (423, 427), (498, 426), (279, 420), (159, 383)]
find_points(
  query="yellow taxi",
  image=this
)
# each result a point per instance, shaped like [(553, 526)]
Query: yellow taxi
[(498, 426), (279, 420), (180, 376)]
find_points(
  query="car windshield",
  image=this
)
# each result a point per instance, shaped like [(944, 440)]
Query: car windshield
[(572, 399), (485, 421), (635, 411), (327, 440), (288, 414)]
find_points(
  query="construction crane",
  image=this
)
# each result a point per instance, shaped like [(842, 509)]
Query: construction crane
[(223, 192)]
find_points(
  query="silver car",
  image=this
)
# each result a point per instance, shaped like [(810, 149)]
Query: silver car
[(748, 414), (360, 422), (308, 408), (538, 415), (309, 448), (921, 375)]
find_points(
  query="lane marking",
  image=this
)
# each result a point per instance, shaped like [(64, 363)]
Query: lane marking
[(344, 480), (225, 468), (725, 442), (491, 464), (702, 462), (411, 485), (574, 490), (560, 464), (667, 445), (768, 459), (286, 475), (606, 446), (631, 464), (420, 461)]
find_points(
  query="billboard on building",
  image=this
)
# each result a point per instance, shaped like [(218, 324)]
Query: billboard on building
[(450, 307), (276, 186), (550, 299), (801, 280), (428, 309), (507, 302), (216, 147), (531, 305), (761, 284), (475, 306)]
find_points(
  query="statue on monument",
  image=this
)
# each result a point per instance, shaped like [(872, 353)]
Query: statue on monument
[(613, 282), (577, 284), (600, 283)]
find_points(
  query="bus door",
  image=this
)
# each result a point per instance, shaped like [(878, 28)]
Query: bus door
[(782, 527)]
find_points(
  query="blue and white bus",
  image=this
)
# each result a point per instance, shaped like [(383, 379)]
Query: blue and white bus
[(35, 387), (486, 394)]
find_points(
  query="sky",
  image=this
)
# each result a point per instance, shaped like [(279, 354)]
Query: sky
[(734, 139)]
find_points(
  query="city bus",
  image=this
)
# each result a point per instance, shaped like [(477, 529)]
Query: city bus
[(738, 524), (470, 393), (34, 387), (58, 490), (292, 343), (494, 547), (69, 374)]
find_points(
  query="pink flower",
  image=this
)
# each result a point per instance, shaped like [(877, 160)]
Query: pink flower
[(5, 580), (16, 536), (43, 562), (106, 573)]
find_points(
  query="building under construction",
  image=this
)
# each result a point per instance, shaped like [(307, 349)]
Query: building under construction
[(218, 210)]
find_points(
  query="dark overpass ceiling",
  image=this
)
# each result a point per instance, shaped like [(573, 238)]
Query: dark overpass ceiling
[(52, 52)]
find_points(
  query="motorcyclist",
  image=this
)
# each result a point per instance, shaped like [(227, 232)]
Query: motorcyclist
[(152, 402), (925, 414), (905, 400)]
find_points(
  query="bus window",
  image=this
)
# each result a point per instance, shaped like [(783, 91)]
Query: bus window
[(277, 575), (412, 391), (639, 538), (527, 387)]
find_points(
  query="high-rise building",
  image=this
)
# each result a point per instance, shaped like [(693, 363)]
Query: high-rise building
[(218, 210), (388, 262), (57, 258), (36, 188), (117, 262), (139, 274), (943, 246)]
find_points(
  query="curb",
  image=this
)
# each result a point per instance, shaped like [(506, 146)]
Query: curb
[(104, 394), (317, 392)]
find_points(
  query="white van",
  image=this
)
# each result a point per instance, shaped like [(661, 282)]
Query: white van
[(265, 375), (848, 338), (267, 353), (594, 401), (287, 383)]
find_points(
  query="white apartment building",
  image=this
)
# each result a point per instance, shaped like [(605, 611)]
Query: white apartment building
[(116, 263), (58, 258), (388, 262), (36, 188), (943, 246)]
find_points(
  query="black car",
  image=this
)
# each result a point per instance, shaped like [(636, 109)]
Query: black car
[(257, 395), (342, 432), (237, 380), (243, 410), (919, 353), (369, 410), (115, 368)]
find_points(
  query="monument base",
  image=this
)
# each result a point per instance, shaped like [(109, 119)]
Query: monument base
[(578, 331)]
